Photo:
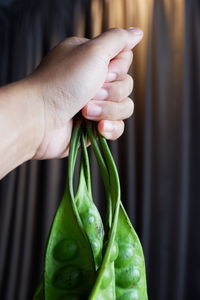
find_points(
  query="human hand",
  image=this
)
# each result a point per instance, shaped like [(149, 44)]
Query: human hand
[(84, 74)]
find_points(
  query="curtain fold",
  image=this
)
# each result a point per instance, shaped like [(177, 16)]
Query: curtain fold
[(158, 156)]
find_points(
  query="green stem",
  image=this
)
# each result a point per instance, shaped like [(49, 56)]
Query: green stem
[(112, 169), (103, 170), (86, 164), (99, 157), (115, 196), (74, 145)]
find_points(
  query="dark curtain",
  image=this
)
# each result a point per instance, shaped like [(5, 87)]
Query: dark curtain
[(158, 156)]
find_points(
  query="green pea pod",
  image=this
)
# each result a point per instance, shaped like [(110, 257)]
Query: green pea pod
[(74, 249), (130, 278), (87, 210), (104, 287), (130, 272), (69, 265), (90, 217)]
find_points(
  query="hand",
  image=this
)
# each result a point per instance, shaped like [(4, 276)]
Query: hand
[(84, 74)]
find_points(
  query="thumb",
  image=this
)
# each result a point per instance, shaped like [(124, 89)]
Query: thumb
[(116, 40)]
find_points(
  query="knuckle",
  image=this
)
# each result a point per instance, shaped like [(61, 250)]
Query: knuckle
[(119, 92), (125, 61), (117, 110), (121, 89), (94, 49), (70, 40), (75, 40), (116, 91), (118, 130), (131, 56), (122, 126), (112, 110), (131, 107), (118, 31), (130, 83)]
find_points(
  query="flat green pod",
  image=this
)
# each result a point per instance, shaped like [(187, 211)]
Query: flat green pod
[(129, 264), (130, 274), (104, 287), (88, 212), (81, 261), (69, 264)]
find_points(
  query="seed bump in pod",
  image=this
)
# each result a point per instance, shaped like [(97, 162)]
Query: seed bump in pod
[(68, 278), (65, 250), (127, 277), (131, 295), (126, 255), (114, 252), (95, 246)]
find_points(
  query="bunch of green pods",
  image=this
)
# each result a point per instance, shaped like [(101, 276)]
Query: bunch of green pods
[(84, 258)]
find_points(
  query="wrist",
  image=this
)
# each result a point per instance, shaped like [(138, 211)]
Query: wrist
[(21, 123), (34, 107)]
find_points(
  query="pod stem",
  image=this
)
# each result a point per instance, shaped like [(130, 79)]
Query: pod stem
[(86, 164), (114, 186), (75, 139), (103, 169)]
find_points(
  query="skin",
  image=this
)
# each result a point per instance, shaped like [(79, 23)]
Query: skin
[(78, 74)]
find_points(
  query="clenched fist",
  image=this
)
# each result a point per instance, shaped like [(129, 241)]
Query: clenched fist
[(78, 74)]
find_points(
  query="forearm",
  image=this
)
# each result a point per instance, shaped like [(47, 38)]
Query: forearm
[(18, 124)]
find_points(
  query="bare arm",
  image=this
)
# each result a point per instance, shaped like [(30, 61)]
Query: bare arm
[(18, 119)]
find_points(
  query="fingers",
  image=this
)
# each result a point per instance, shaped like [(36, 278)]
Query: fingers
[(119, 65), (111, 130), (116, 90), (108, 110), (112, 42)]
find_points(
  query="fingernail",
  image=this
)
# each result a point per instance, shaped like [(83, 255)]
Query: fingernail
[(108, 126), (93, 110), (111, 76), (136, 30), (102, 94)]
